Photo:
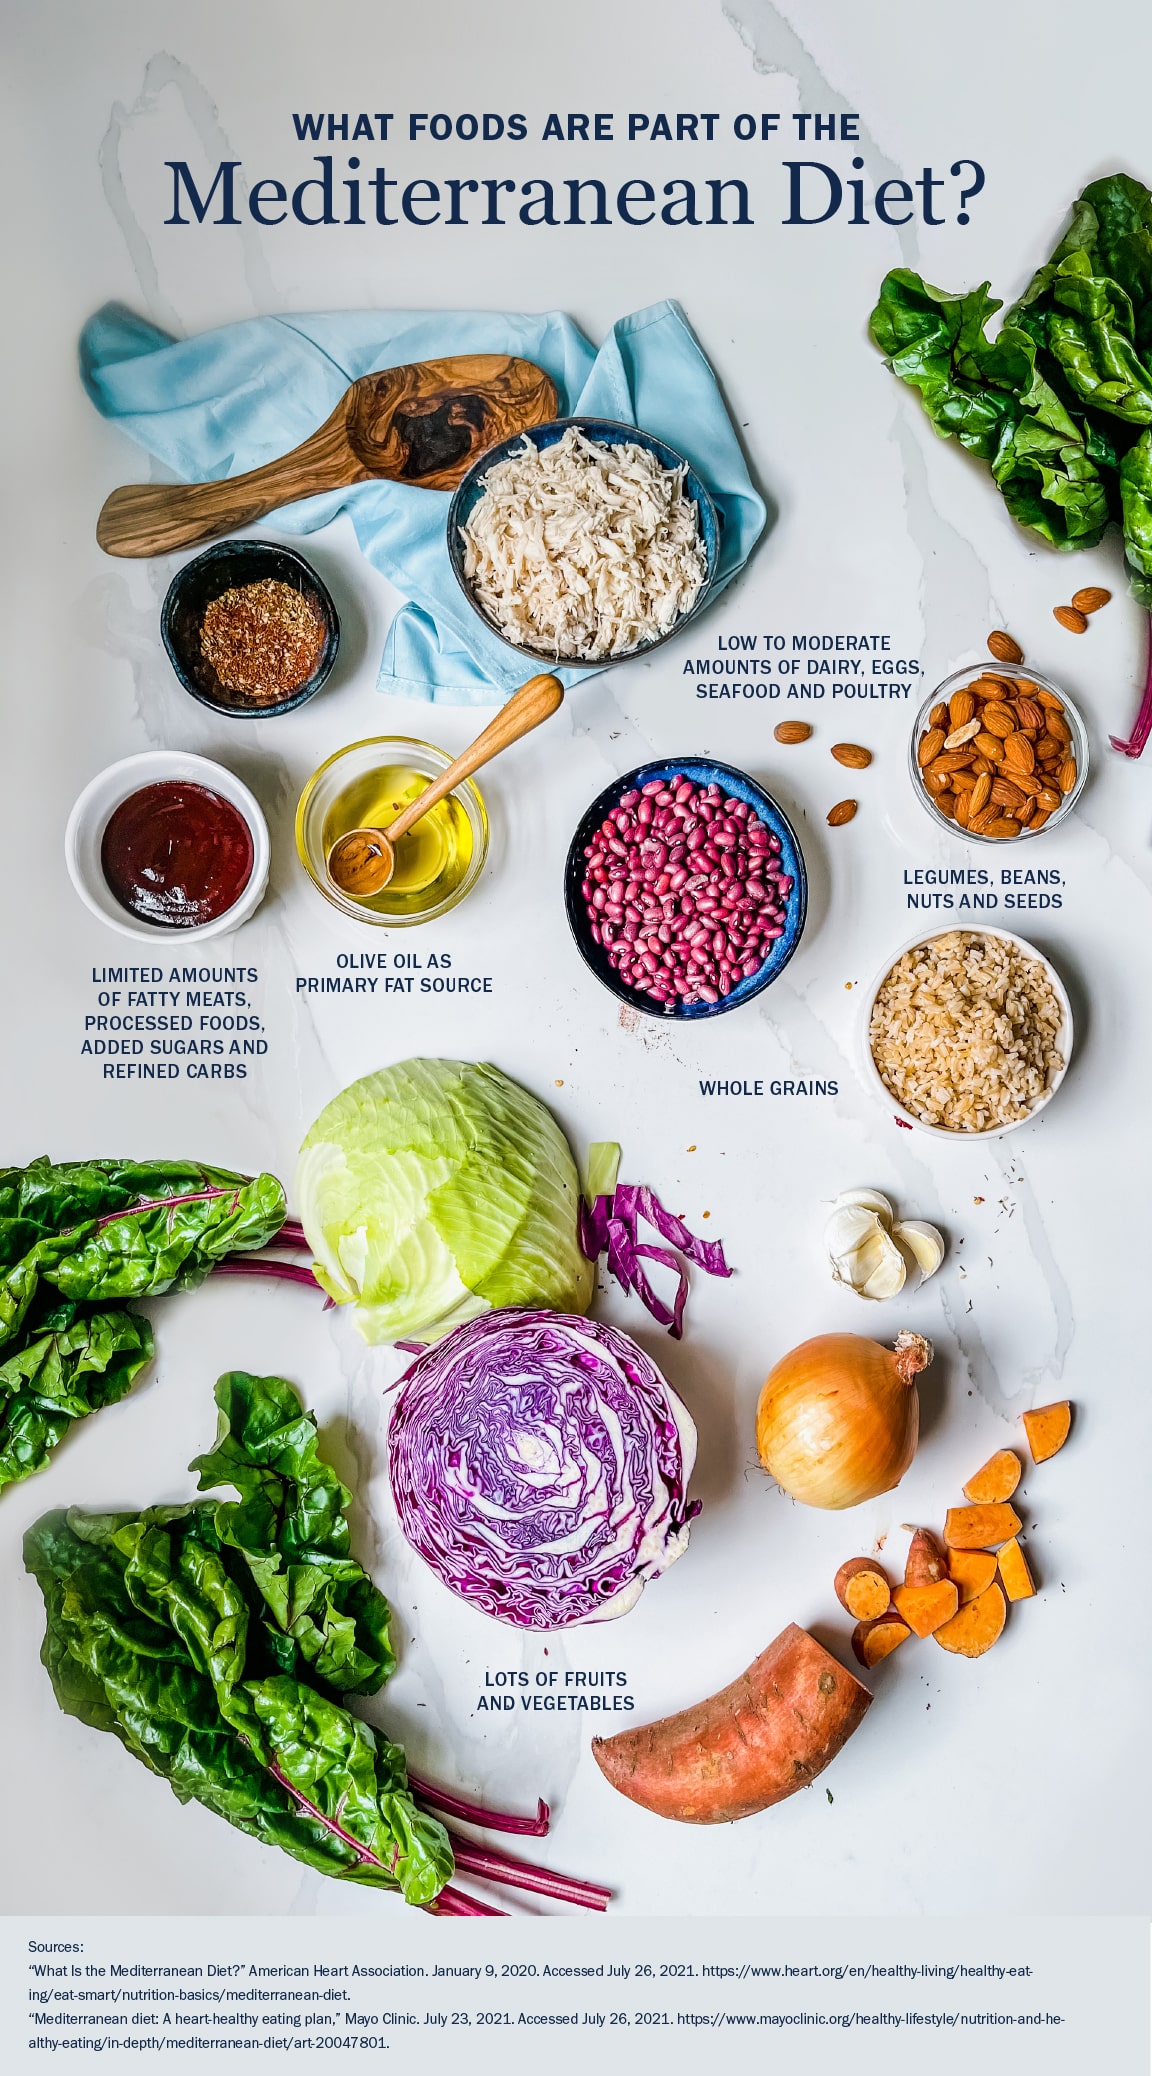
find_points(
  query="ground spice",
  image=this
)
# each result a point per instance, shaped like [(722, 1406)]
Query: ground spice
[(263, 640)]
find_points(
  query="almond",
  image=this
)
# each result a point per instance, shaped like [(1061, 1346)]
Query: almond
[(953, 760), (841, 813), (1024, 813), (940, 718), (979, 824), (960, 736), (938, 781), (1058, 726), (1066, 777), (1049, 749), (1038, 819), (963, 810), (1045, 698), (1018, 753), (961, 706), (1003, 647), (1070, 617), (989, 746), (998, 719), (1003, 827), (946, 802), (1090, 599), (1031, 715), (792, 731), (853, 754), (1005, 794), (1049, 798), (979, 796), (931, 745), (963, 779)]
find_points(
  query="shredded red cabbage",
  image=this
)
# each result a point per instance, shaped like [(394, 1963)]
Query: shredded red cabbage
[(611, 1226), (540, 1464)]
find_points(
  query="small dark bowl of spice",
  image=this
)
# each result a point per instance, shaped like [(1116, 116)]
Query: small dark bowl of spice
[(250, 629)]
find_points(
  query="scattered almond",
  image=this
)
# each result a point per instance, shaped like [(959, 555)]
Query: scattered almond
[(1090, 599), (1003, 647), (841, 813), (1070, 617), (853, 754), (792, 731)]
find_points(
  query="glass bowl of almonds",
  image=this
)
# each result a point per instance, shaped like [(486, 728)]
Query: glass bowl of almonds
[(998, 753)]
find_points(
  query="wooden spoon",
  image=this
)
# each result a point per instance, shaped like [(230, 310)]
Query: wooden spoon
[(423, 424), (362, 862)]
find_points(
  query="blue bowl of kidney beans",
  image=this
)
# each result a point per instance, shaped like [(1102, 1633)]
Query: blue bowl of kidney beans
[(685, 888)]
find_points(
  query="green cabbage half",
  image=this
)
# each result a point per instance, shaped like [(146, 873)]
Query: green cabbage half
[(436, 1190)]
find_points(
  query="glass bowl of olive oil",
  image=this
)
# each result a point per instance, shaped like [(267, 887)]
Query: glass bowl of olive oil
[(365, 787)]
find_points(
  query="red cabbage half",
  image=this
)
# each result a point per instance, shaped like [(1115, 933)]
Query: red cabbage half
[(540, 1465)]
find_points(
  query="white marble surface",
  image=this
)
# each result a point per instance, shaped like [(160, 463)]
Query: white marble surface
[(1015, 1783)]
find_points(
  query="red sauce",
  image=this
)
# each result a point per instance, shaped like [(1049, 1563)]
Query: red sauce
[(176, 855)]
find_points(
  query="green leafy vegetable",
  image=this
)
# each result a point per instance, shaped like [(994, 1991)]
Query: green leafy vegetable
[(77, 1240), (1059, 401), (215, 1638), (436, 1190)]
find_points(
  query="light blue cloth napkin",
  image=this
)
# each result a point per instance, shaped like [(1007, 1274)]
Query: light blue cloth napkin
[(228, 400)]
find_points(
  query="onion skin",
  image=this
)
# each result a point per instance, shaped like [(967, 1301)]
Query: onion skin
[(839, 1418)]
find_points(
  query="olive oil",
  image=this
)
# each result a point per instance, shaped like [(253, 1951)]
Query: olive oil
[(431, 860)]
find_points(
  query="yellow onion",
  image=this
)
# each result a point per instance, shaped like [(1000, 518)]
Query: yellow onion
[(839, 1417)]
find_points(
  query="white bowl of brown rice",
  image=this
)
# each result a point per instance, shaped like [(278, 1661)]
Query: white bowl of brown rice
[(967, 1033)]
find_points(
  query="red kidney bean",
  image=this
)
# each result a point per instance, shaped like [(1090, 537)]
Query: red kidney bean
[(684, 891)]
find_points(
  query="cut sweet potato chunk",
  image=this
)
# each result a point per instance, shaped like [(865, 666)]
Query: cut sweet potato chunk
[(872, 1641), (863, 1588), (768, 1733), (927, 1563), (924, 1608), (1047, 1429), (1015, 1576), (975, 1628), (997, 1479), (971, 1572), (980, 1528)]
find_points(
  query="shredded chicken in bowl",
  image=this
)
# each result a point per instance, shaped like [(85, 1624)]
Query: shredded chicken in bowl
[(584, 551)]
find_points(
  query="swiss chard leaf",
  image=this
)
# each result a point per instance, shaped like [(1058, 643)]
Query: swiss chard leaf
[(1059, 401), (77, 1238), (155, 1633)]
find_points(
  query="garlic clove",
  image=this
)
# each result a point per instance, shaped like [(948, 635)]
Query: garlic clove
[(848, 1228), (924, 1243), (868, 1200), (883, 1266)]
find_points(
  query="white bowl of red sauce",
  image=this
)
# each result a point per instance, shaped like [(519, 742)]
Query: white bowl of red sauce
[(168, 846)]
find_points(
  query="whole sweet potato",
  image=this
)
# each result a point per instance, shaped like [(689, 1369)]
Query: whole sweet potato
[(772, 1731)]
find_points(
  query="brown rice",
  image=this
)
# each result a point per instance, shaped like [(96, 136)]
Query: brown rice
[(963, 1031)]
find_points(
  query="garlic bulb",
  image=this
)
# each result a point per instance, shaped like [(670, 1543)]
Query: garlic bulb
[(870, 1253)]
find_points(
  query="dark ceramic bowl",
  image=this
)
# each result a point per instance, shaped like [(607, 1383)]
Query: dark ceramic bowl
[(609, 434), (704, 772), (192, 590)]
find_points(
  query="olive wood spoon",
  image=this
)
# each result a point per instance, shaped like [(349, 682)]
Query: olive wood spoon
[(424, 424), (362, 862)]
